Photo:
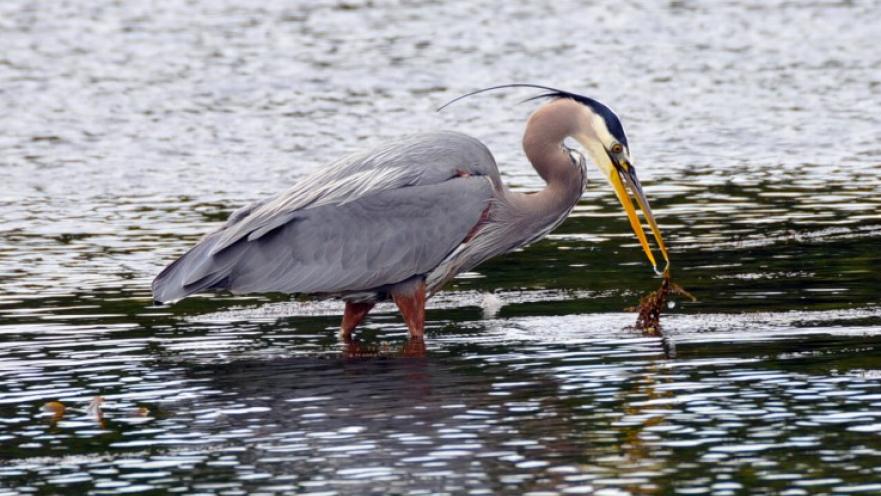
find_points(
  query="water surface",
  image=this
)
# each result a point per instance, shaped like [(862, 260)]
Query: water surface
[(130, 131)]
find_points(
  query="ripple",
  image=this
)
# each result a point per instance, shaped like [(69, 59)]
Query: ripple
[(130, 131)]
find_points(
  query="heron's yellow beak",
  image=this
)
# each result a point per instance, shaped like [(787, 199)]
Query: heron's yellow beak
[(620, 175)]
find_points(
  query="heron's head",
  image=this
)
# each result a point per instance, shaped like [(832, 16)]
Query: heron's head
[(598, 129)]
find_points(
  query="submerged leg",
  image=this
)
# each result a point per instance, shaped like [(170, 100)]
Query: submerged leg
[(410, 299), (355, 313)]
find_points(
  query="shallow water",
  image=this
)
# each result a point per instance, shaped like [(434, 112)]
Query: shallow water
[(130, 131)]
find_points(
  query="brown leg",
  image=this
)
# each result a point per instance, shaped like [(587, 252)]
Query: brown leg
[(355, 313), (410, 299)]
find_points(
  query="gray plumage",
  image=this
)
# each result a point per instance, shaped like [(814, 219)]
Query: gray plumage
[(363, 223), (400, 220), (411, 161)]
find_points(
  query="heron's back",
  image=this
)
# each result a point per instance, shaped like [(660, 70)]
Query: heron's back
[(370, 219)]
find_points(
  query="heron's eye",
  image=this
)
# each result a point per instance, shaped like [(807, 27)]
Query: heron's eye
[(617, 148)]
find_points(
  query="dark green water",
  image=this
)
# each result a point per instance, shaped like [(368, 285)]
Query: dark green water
[(131, 132)]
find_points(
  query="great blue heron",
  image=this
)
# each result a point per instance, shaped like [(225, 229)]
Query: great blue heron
[(400, 221)]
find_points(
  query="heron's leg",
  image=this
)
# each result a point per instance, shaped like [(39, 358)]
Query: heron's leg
[(410, 299), (355, 313)]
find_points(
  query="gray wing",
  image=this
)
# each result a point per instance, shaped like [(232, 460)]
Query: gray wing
[(411, 161), (380, 239), (354, 236)]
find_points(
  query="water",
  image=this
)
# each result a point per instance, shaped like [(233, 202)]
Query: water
[(129, 131)]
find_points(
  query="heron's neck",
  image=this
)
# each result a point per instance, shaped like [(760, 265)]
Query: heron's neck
[(543, 144)]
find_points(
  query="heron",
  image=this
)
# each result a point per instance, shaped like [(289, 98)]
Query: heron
[(400, 221)]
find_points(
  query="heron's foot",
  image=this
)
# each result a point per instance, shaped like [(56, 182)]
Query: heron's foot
[(352, 348), (414, 348)]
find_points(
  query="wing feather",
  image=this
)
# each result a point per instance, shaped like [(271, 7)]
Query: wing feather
[(368, 220), (412, 161), (378, 240)]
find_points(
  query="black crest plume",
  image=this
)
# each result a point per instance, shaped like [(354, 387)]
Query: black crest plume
[(612, 121)]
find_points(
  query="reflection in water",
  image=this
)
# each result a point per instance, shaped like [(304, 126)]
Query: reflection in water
[(538, 403), (412, 348), (130, 132)]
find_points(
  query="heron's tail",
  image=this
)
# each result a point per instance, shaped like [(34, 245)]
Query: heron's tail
[(197, 270)]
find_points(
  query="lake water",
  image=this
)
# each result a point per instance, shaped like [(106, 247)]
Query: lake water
[(129, 130)]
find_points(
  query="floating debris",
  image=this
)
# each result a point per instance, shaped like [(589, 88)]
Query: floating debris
[(56, 408), (95, 409)]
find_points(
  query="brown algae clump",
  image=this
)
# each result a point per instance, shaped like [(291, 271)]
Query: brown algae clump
[(650, 306)]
